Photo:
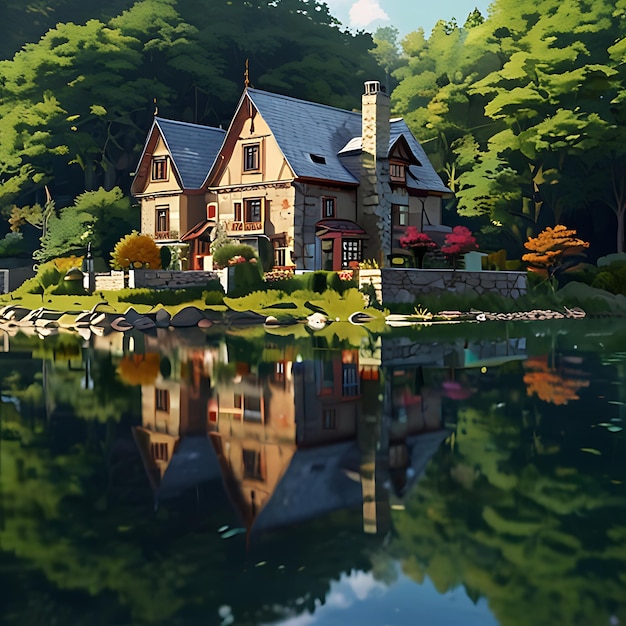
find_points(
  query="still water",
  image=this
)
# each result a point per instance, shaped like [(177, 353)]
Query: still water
[(468, 474)]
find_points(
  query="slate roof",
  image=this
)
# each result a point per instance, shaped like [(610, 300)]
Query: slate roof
[(193, 149), (304, 128)]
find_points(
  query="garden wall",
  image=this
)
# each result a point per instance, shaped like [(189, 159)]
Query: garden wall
[(169, 279), (12, 278), (395, 285)]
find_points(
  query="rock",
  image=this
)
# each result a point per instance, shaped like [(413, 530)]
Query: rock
[(205, 323), (121, 324), (187, 317), (144, 323), (162, 319)]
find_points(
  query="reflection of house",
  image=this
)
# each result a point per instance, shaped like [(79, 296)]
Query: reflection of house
[(326, 186), (310, 447), (172, 438)]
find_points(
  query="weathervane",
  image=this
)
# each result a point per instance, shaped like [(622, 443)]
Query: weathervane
[(246, 75)]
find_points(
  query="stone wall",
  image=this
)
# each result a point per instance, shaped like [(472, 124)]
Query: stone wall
[(112, 281), (405, 285), (169, 279)]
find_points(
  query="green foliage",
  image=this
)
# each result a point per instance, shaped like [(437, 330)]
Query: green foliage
[(12, 244), (266, 254), (228, 251), (166, 257), (171, 297), (247, 278), (213, 297)]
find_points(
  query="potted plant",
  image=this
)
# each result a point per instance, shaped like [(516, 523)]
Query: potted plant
[(419, 243)]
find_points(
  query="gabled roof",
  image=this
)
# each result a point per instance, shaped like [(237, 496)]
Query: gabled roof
[(303, 129), (192, 147), (421, 176)]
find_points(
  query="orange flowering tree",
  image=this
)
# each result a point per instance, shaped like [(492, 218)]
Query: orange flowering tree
[(136, 251), (554, 251)]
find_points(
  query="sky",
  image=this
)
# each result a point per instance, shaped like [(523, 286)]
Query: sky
[(405, 15)]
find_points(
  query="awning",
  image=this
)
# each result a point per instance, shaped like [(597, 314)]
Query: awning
[(203, 230), (333, 228)]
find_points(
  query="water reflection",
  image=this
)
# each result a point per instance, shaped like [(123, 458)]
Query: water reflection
[(197, 478)]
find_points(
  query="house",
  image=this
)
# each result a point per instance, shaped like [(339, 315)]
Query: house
[(325, 186)]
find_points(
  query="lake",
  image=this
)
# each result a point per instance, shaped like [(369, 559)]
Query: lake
[(448, 474)]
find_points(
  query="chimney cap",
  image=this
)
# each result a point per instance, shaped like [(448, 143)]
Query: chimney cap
[(373, 86)]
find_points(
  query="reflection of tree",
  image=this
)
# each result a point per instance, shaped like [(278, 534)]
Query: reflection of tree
[(139, 369), (551, 384), (506, 511)]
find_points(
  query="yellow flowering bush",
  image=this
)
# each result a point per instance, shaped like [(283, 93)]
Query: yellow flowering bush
[(136, 251)]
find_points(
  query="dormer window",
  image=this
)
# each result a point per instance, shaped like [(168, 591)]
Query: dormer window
[(397, 172), (159, 168), (251, 157)]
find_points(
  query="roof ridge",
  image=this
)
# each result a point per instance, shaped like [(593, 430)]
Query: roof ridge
[(301, 100), (181, 123)]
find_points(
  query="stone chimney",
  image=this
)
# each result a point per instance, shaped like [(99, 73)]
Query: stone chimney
[(374, 206), (375, 120)]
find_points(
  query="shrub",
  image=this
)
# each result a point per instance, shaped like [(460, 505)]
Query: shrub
[(169, 297), (135, 251), (213, 297), (225, 253)]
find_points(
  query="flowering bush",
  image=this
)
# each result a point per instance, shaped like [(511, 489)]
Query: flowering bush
[(415, 239), (136, 251), (274, 275), (419, 243), (554, 250), (236, 260), (458, 242), (346, 274)]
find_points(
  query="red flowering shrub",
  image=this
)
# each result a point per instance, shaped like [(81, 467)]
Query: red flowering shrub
[(458, 242), (414, 239)]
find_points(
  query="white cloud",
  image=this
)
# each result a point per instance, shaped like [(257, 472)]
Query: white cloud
[(364, 12)]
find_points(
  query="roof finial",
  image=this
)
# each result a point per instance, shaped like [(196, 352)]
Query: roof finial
[(156, 108), (246, 75)]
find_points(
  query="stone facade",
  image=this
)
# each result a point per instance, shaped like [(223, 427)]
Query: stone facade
[(405, 285), (111, 281)]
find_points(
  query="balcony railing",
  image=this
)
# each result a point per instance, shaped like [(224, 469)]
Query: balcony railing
[(166, 234), (238, 227)]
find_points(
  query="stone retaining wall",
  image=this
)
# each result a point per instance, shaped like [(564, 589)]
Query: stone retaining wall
[(394, 285), (113, 281), (169, 279)]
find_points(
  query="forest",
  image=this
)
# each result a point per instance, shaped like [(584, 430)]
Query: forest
[(521, 110)]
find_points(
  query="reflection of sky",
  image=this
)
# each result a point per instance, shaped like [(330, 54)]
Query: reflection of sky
[(403, 603)]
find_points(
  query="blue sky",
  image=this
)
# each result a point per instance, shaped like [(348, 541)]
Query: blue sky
[(405, 15)]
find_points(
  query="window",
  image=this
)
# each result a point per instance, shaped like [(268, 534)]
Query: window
[(328, 207), (350, 251), (162, 225), (349, 380), (253, 210), (159, 168), (237, 211), (162, 400), (318, 158), (251, 160), (399, 214), (158, 451), (279, 371), (397, 171), (329, 419), (252, 464)]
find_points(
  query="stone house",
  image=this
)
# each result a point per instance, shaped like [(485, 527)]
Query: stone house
[(325, 186)]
